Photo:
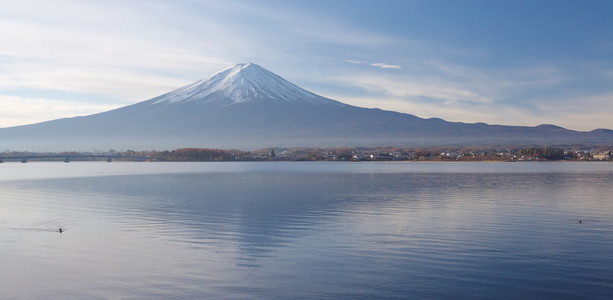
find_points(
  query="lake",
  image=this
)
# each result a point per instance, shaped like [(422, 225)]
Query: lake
[(311, 230)]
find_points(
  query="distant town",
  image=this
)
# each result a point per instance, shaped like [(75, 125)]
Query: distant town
[(323, 154)]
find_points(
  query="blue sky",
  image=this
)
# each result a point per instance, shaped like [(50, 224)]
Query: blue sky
[(499, 62)]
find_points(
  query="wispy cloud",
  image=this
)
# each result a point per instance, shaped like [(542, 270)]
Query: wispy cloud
[(129, 51), (386, 66), (308, 26), (16, 111), (357, 62), (414, 88), (511, 96), (101, 50), (454, 112), (376, 64)]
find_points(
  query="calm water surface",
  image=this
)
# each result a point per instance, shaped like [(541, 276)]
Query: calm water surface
[(306, 230)]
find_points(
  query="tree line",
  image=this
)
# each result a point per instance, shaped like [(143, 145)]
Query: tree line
[(197, 154), (543, 153)]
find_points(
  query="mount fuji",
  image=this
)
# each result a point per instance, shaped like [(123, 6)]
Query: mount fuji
[(246, 106)]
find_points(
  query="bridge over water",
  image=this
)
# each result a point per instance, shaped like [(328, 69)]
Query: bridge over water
[(71, 157)]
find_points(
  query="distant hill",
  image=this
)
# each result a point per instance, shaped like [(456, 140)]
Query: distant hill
[(246, 106)]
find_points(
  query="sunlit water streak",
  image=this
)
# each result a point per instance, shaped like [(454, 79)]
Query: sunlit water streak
[(306, 230)]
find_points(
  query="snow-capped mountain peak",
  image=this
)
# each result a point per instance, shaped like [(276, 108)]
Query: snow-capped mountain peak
[(242, 83)]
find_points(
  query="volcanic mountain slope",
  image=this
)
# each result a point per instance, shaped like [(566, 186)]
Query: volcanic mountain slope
[(246, 106)]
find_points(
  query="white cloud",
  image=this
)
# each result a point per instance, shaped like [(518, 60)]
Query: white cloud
[(453, 112), (127, 85), (16, 111), (120, 51), (464, 94), (378, 65), (414, 88), (357, 62), (386, 66), (589, 113), (138, 50)]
